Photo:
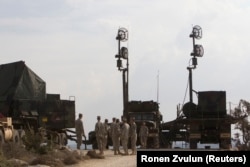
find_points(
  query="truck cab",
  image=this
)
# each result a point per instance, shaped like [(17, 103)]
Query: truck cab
[(148, 112)]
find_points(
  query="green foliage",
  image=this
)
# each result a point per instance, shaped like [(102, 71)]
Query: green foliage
[(33, 142), (4, 162)]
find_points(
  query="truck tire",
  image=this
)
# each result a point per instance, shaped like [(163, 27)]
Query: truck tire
[(64, 140), (58, 139), (15, 137), (2, 141), (193, 144), (21, 136), (55, 138)]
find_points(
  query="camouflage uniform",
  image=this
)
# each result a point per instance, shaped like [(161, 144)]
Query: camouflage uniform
[(105, 137), (133, 136), (99, 132), (79, 131), (125, 136), (143, 134), (116, 137), (111, 130)]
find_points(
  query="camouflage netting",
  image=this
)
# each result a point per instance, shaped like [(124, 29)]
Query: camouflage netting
[(19, 82)]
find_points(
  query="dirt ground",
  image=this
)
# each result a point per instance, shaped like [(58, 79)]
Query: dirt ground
[(110, 160)]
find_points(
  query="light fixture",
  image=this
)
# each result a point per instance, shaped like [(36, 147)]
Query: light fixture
[(124, 52), (197, 32), (122, 34), (198, 50)]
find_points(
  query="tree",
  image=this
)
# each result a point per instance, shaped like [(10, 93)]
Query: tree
[(242, 114)]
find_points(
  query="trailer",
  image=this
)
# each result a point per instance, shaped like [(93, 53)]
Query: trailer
[(25, 105)]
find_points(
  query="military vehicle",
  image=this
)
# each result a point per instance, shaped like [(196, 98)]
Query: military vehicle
[(25, 105), (206, 122), (148, 112)]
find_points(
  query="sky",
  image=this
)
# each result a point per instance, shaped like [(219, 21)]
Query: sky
[(71, 45)]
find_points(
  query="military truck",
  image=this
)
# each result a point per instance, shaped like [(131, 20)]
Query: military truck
[(148, 112), (206, 122), (25, 105)]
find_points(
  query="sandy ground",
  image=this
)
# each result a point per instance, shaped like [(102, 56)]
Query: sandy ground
[(110, 160)]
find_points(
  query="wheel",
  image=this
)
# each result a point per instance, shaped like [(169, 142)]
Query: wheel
[(55, 138), (15, 137), (193, 144), (21, 136), (64, 140), (58, 139), (2, 141)]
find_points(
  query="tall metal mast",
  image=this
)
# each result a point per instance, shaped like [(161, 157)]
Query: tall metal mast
[(122, 36), (198, 51)]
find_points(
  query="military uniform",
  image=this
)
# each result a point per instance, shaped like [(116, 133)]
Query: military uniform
[(111, 130), (105, 133), (125, 136), (99, 132), (133, 137), (116, 137), (143, 134), (79, 131)]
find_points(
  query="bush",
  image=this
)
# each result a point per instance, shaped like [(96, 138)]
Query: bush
[(4, 162), (34, 142)]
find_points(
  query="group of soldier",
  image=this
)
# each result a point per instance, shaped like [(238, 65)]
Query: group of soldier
[(119, 131)]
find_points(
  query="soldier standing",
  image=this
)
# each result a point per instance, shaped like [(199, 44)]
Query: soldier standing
[(111, 131), (125, 135), (116, 137), (79, 131), (106, 130), (99, 132), (143, 134), (133, 135)]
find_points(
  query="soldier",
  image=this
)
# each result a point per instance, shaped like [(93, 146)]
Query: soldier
[(116, 137), (133, 135), (111, 131), (143, 134), (106, 130), (125, 136), (79, 131), (99, 132)]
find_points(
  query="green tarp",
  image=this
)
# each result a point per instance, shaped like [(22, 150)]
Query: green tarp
[(17, 81)]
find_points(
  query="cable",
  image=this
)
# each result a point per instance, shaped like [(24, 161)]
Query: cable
[(187, 85), (185, 93)]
